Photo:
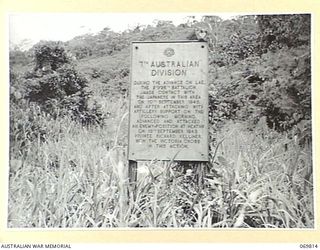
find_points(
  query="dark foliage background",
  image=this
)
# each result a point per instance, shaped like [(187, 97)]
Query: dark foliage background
[(259, 67)]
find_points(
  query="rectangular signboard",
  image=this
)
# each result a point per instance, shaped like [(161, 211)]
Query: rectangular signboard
[(169, 101)]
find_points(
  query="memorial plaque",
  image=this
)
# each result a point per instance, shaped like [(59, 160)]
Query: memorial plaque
[(169, 101)]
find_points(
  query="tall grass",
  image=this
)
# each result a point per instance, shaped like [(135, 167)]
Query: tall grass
[(75, 176)]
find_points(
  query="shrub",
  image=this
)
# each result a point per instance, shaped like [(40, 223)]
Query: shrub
[(58, 88)]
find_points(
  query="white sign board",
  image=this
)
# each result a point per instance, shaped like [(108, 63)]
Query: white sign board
[(169, 101)]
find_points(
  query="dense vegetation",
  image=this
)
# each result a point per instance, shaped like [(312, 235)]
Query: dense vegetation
[(68, 131)]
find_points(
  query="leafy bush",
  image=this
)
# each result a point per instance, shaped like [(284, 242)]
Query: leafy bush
[(279, 31), (273, 80), (57, 87), (50, 54)]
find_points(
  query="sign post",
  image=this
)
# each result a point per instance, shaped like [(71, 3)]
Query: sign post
[(168, 102)]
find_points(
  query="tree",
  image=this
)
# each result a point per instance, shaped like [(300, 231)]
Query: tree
[(252, 76), (57, 87), (278, 31), (50, 55)]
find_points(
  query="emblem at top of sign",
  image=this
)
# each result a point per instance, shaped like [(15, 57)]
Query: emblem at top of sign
[(168, 52)]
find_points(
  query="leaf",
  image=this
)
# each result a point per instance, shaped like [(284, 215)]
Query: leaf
[(223, 161), (254, 195), (240, 219)]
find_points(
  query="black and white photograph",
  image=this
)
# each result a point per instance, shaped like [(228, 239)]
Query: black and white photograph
[(160, 120)]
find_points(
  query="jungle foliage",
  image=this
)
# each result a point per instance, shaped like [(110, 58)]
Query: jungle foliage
[(68, 133), (259, 65)]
